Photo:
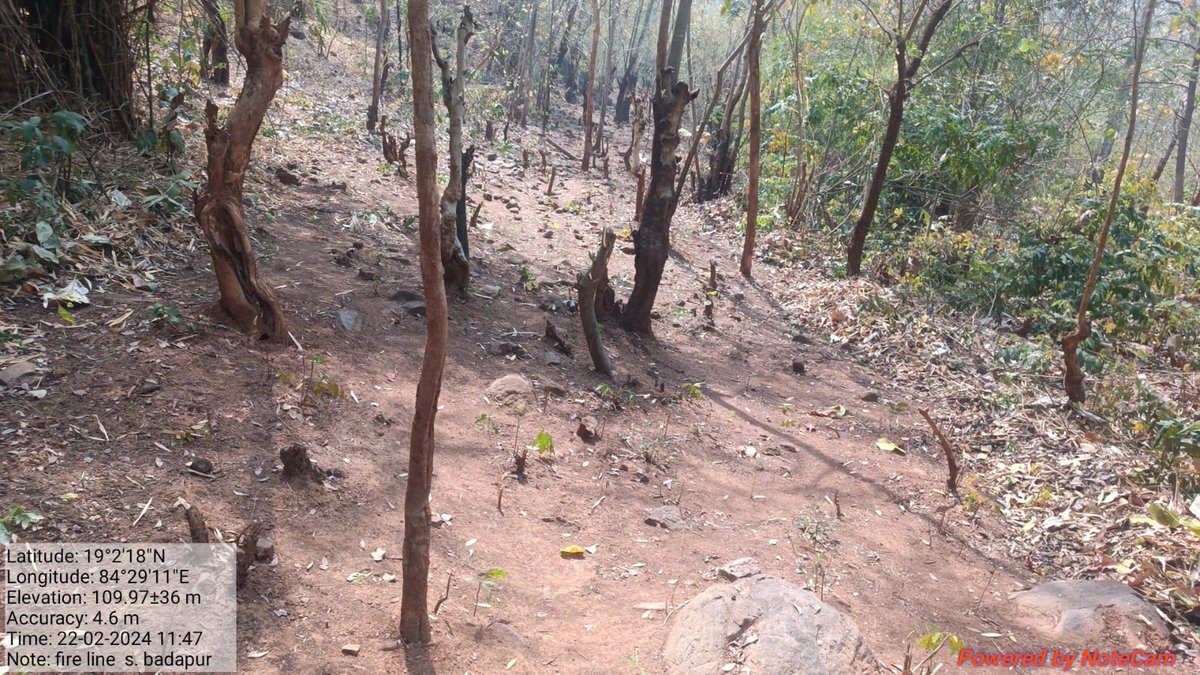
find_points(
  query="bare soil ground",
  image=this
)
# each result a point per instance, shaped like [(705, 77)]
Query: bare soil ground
[(764, 462)]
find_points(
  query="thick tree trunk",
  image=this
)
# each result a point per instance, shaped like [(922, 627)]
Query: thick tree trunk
[(248, 300), (754, 56), (215, 57), (589, 94), (414, 599), (380, 65), (586, 285), (906, 70), (1073, 375), (454, 258)]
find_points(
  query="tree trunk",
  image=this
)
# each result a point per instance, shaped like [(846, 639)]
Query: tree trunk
[(607, 81), (385, 19), (215, 47), (566, 58), (906, 70), (652, 241), (753, 55), (586, 284), (454, 259), (589, 94), (1073, 375), (1185, 120), (248, 300), (414, 599)]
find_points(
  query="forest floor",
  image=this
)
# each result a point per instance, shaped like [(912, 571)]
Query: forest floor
[(763, 461)]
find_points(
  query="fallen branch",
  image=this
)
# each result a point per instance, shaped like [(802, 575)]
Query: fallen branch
[(951, 461), (566, 153)]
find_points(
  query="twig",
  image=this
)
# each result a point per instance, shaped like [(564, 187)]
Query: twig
[(598, 501), (144, 510), (984, 593), (499, 503), (445, 596), (296, 342), (952, 463)]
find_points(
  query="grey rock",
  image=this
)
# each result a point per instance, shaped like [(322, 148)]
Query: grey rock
[(798, 366), (298, 32), (406, 296), (871, 397), (10, 375), (551, 387), (265, 549), (505, 349), (489, 291), (349, 319), (739, 569), (667, 517), (551, 359), (368, 275), (509, 387), (504, 634), (413, 308), (1091, 613), (794, 632)]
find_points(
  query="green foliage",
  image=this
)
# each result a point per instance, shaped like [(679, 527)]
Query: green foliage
[(40, 193), (1177, 444), (691, 391), (543, 443), (17, 518)]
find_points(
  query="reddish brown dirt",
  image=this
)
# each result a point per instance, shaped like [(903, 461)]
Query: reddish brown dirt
[(901, 559)]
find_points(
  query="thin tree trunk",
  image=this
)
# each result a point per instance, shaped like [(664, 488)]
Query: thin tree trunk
[(414, 599), (589, 96), (1185, 120), (586, 284), (906, 70), (652, 241), (454, 259), (1073, 375), (385, 20), (608, 73), (753, 54), (219, 211)]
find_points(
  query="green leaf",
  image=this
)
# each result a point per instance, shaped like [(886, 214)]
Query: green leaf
[(66, 316), (66, 120), (44, 231), (1163, 516), (543, 443), (888, 446), (495, 573), (1026, 46)]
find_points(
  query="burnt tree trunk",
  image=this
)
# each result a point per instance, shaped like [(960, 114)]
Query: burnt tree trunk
[(215, 57), (379, 73), (586, 285), (589, 94), (247, 299), (652, 240), (454, 258), (755, 84), (414, 599)]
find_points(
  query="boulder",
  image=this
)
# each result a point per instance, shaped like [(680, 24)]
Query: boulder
[(769, 627), (508, 388), (1091, 613)]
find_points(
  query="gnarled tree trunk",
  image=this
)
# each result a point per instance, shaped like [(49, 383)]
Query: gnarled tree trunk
[(652, 240), (248, 300)]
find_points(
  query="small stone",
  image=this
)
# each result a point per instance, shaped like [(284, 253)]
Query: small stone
[(489, 291), (628, 250), (739, 296), (351, 649), (797, 366), (491, 156), (406, 296), (297, 32), (551, 359), (349, 319), (200, 465), (265, 549), (487, 196), (551, 387), (871, 397), (739, 569), (548, 234), (367, 275), (667, 517), (287, 177), (339, 185), (589, 428)]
